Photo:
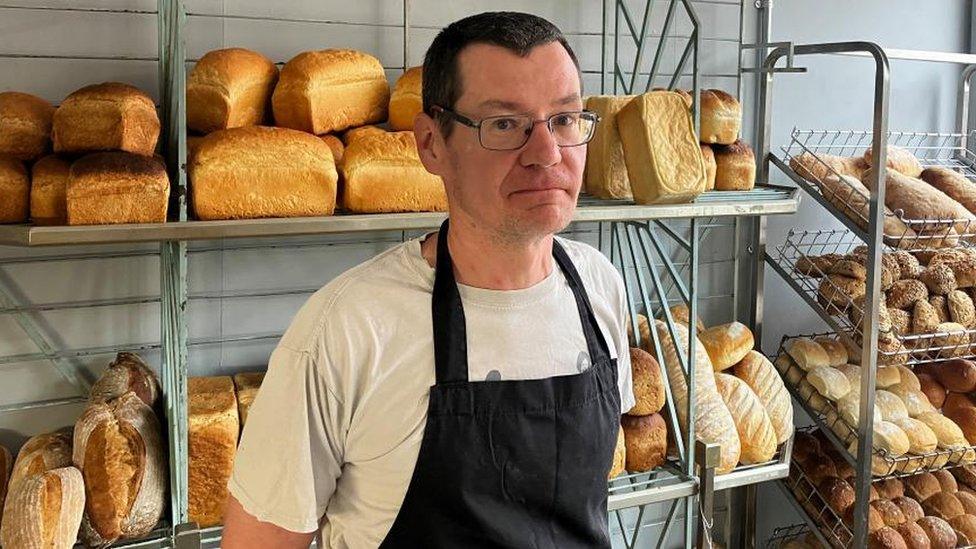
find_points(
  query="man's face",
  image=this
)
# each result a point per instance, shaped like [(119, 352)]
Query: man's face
[(525, 193)]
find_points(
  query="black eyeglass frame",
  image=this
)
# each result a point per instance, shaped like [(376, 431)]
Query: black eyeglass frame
[(464, 120)]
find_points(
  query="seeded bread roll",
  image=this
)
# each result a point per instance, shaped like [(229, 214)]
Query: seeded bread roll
[(721, 117), (106, 117), (837, 292), (648, 384), (25, 126), (851, 197), (925, 319), (901, 321), (904, 293), (939, 279), (952, 341), (941, 306), (816, 265), (735, 167)]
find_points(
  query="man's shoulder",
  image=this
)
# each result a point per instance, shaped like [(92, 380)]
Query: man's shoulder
[(590, 262), (375, 287)]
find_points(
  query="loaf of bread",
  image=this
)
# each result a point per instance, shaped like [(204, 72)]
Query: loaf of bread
[(48, 190), (921, 486), (118, 449), (681, 313), (648, 383), (721, 117), (886, 538), (958, 374), (890, 438), (383, 173), (258, 171), (875, 522), (920, 201), (106, 117), (727, 344), (406, 100), (246, 386), (946, 481), (646, 438), (943, 505), (953, 339), (6, 465), (891, 405), (939, 278), (829, 382), (330, 90), (128, 372), (44, 510), (890, 513), (836, 351), (816, 265), (807, 353), (898, 159), (949, 434), (816, 168), (353, 134), (836, 493), (910, 507), (117, 187), (940, 533), (229, 88), (735, 167), (968, 501), (756, 434), (39, 454), (955, 185), (964, 525), (886, 376), (851, 197), (664, 161), (617, 466), (606, 171), (889, 488), (903, 294), (913, 535), (713, 421), (25, 126), (957, 400), (965, 418), (921, 438), (907, 378), (336, 146), (760, 375), (212, 434), (14, 191), (708, 155)]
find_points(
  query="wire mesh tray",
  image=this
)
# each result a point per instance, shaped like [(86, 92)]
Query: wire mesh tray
[(844, 435), (785, 534), (835, 305), (831, 527), (810, 160)]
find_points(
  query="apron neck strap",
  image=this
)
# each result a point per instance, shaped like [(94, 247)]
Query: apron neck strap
[(450, 335)]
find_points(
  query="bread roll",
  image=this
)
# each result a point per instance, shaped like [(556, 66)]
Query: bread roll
[(907, 378), (837, 494), (805, 446), (898, 159), (961, 309), (915, 401), (710, 166), (619, 456), (14, 191), (964, 525), (836, 352), (118, 449), (721, 117), (646, 438), (212, 437), (939, 279), (25, 126), (939, 532), (957, 400), (958, 375), (909, 507), (875, 522), (257, 171), (727, 344), (905, 293), (836, 293), (943, 505), (913, 536), (953, 339), (816, 168), (106, 117), (806, 353), (849, 408), (921, 486), (383, 173), (968, 501), (921, 438), (606, 172), (853, 374), (330, 90), (891, 405), (829, 382), (664, 161), (946, 481), (45, 510), (949, 434), (886, 377), (965, 475), (247, 386), (648, 383), (756, 433), (128, 372), (229, 88), (890, 513), (735, 167), (713, 421), (965, 418), (41, 453), (933, 390), (406, 101), (816, 265), (820, 469), (48, 190), (889, 488), (890, 438)]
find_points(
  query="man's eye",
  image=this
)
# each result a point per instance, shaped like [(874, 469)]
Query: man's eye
[(504, 124), (564, 120)]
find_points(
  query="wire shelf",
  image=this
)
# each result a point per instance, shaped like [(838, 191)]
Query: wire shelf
[(785, 534), (817, 160), (843, 434), (796, 262), (831, 527)]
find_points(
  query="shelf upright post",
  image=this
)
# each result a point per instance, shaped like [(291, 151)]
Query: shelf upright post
[(173, 257)]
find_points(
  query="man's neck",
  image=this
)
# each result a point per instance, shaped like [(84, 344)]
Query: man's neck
[(486, 261)]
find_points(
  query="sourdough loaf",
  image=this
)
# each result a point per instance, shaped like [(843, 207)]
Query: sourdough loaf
[(213, 431), (44, 511), (117, 187), (41, 453), (128, 372), (646, 441), (106, 117), (756, 433), (25, 126), (406, 100), (229, 88)]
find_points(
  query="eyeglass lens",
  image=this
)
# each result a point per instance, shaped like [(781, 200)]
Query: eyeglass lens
[(511, 132)]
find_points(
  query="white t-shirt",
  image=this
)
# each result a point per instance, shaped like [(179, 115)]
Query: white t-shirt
[(333, 435)]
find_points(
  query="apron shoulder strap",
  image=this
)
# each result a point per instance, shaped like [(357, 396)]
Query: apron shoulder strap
[(596, 344)]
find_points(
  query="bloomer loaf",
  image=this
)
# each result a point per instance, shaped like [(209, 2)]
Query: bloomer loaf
[(756, 370), (756, 433)]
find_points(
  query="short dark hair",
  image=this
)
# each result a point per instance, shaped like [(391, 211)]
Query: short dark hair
[(518, 32)]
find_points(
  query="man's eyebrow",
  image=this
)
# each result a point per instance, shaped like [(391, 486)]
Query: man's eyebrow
[(571, 98), (501, 104)]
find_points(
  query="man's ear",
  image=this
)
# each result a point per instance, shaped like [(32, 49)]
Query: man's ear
[(430, 143)]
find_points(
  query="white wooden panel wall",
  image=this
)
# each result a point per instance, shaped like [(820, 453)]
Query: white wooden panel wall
[(51, 53)]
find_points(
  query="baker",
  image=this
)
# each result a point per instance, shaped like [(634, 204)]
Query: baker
[(463, 389)]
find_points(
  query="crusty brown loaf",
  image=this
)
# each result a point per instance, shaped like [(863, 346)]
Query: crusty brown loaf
[(48, 190), (886, 538), (330, 90), (247, 386), (646, 438), (965, 418), (118, 449), (943, 505), (921, 486), (756, 433), (946, 481), (913, 535), (939, 532), (258, 171), (117, 187), (605, 175), (850, 196), (128, 372), (836, 493), (756, 370), (41, 453), (14, 191), (406, 100), (45, 510), (968, 501), (920, 201), (708, 156), (721, 117), (816, 265), (933, 390), (735, 167), (965, 525), (663, 158), (889, 488), (817, 168), (212, 435), (25, 126), (106, 117), (955, 185), (727, 344), (890, 513), (898, 159), (909, 507), (619, 463), (648, 383), (957, 374), (229, 88), (383, 173)]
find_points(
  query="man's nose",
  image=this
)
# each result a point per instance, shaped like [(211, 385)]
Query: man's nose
[(541, 148)]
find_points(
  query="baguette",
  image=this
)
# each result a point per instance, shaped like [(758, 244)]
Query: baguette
[(955, 185)]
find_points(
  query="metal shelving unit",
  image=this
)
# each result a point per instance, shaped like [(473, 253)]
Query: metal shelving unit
[(640, 241)]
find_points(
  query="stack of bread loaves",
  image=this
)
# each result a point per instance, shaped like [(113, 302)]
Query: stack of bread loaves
[(103, 170), (241, 169), (741, 402), (643, 430)]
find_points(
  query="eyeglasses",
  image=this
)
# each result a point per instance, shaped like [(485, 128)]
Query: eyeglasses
[(511, 131)]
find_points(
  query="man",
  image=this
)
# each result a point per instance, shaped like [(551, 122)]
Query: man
[(463, 389)]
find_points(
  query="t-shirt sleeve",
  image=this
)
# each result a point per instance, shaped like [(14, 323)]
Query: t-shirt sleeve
[(291, 450), (625, 380)]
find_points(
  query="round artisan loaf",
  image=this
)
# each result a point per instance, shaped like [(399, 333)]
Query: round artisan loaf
[(735, 167), (904, 293), (890, 512), (837, 493), (646, 440), (957, 375), (727, 344), (25, 126), (943, 505), (909, 507), (721, 117), (648, 383), (940, 533), (913, 535)]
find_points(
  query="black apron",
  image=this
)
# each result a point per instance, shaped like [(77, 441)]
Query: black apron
[(511, 463)]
